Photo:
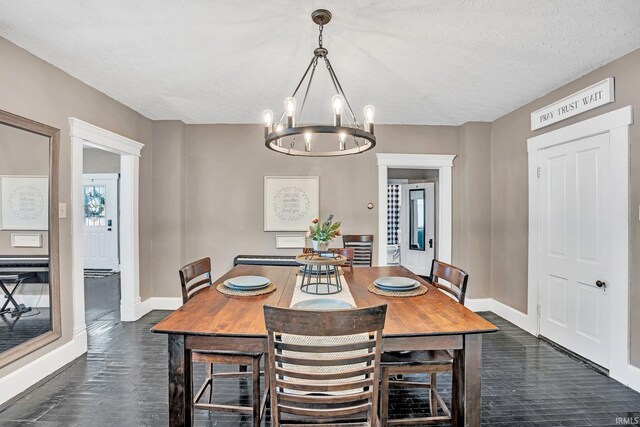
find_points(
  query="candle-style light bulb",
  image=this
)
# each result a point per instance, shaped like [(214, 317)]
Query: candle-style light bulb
[(290, 110), (307, 141), (369, 115), (279, 127), (342, 137), (267, 117), (337, 103)]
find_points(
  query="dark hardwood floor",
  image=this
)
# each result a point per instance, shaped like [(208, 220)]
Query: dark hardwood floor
[(122, 381), (15, 330)]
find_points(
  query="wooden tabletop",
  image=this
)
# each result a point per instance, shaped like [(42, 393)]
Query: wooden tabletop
[(212, 313)]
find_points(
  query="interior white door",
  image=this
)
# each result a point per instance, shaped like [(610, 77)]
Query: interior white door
[(574, 246), (417, 227), (101, 221)]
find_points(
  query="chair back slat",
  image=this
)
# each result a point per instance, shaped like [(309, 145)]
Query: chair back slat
[(332, 352), (323, 377), (457, 277), (188, 275), (323, 349), (324, 323), (362, 245)]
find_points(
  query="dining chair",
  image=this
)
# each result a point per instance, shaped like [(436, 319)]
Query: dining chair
[(362, 245), (431, 362), (195, 277), (324, 366)]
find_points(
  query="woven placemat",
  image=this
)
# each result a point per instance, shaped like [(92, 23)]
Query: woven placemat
[(227, 291), (422, 289)]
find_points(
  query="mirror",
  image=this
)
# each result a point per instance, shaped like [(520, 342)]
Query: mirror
[(416, 220), (29, 276)]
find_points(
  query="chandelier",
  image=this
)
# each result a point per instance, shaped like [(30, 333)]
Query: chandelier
[(345, 137)]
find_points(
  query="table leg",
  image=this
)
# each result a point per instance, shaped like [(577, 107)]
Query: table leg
[(467, 377), (180, 389)]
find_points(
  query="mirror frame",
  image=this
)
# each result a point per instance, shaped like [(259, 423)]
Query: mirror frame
[(412, 246), (55, 333)]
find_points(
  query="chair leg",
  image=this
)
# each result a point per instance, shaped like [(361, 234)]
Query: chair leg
[(255, 378), (384, 398), (433, 402), (210, 373)]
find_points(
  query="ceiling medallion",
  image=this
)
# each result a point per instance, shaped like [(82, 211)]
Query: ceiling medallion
[(345, 137)]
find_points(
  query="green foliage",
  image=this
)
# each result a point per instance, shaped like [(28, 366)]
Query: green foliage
[(325, 231)]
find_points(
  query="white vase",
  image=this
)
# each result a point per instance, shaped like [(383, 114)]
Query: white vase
[(320, 246)]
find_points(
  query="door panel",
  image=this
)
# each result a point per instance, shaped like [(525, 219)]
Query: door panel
[(574, 236), (417, 227), (101, 221)]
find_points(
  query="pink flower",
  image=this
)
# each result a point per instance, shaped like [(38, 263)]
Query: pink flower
[(315, 220), (308, 234)]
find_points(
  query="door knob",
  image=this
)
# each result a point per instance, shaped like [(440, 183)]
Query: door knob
[(431, 243), (601, 284)]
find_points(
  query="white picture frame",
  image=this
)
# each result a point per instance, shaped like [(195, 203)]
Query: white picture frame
[(290, 202), (289, 241), (24, 202)]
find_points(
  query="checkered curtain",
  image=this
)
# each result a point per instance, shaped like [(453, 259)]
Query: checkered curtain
[(393, 213)]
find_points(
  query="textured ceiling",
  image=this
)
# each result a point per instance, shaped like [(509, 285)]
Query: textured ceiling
[(418, 62)]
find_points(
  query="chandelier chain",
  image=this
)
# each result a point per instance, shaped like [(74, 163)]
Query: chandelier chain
[(320, 36), (306, 92)]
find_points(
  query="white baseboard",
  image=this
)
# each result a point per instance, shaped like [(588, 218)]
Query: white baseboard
[(479, 304), (32, 300), (157, 303), (21, 379), (512, 315), (629, 375)]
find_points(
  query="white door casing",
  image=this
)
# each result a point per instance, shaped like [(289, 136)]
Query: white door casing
[(86, 134), (417, 258), (616, 124), (441, 162), (101, 230), (574, 246)]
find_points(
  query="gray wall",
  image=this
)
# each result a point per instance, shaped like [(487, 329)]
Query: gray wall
[(100, 161), (23, 153), (32, 88), (223, 181), (509, 213)]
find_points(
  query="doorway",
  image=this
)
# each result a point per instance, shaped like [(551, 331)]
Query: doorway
[(418, 225), (100, 207), (579, 240), (441, 165), (127, 152)]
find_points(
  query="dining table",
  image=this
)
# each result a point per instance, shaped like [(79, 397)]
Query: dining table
[(213, 321)]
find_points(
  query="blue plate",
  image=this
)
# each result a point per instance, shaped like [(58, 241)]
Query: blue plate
[(247, 283)]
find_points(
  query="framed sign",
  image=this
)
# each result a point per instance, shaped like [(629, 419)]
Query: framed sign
[(290, 202), (290, 241), (24, 202), (587, 99)]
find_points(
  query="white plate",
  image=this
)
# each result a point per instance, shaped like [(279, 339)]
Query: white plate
[(247, 282), (322, 304), (395, 282), (396, 288)]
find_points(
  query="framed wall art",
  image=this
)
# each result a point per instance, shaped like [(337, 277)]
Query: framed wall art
[(24, 202), (290, 202)]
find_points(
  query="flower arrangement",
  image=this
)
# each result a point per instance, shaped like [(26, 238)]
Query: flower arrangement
[(323, 232)]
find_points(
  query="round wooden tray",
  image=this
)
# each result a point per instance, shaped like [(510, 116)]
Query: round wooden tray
[(315, 259)]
